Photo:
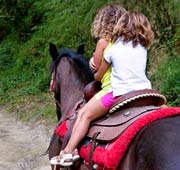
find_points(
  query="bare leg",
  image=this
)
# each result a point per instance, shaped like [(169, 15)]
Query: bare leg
[(84, 109), (93, 110)]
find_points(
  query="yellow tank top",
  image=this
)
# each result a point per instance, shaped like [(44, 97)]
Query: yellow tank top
[(105, 81)]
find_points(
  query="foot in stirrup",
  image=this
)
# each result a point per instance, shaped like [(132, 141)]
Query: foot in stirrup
[(62, 160)]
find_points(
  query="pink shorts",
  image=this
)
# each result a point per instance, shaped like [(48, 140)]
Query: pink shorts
[(108, 100)]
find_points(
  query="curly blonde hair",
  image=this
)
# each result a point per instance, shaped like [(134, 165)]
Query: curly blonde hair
[(135, 27), (105, 20)]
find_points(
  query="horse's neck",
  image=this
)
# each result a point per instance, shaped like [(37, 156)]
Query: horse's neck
[(69, 96), (70, 85)]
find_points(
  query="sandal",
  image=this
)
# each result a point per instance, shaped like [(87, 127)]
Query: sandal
[(62, 160), (75, 155)]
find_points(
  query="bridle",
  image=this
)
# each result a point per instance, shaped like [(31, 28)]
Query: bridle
[(51, 89)]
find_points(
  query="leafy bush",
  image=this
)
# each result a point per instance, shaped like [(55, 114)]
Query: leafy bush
[(21, 16), (6, 58), (167, 80), (27, 27)]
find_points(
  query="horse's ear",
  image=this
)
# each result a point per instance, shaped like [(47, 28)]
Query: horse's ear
[(80, 49), (53, 51)]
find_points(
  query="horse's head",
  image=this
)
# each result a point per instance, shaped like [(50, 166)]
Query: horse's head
[(56, 56), (70, 72)]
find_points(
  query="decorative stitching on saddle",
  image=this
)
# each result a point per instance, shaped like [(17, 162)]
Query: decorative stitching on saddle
[(118, 105)]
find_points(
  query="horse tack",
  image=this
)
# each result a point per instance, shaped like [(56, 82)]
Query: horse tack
[(70, 122), (131, 106), (112, 127), (91, 89), (138, 98)]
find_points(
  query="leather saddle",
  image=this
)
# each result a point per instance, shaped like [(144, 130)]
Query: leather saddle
[(111, 127), (124, 112), (126, 109)]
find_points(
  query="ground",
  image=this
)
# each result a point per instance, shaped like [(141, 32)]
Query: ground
[(22, 144)]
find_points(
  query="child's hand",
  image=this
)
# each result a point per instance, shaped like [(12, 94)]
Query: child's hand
[(51, 87), (92, 65)]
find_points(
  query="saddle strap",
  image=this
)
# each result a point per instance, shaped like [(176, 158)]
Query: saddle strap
[(71, 120), (92, 150), (68, 133)]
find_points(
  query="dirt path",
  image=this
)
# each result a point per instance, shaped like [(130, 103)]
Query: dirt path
[(21, 145)]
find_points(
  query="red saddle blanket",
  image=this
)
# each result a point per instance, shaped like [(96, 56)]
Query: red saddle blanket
[(108, 158)]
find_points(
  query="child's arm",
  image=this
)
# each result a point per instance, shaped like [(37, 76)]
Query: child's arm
[(101, 71), (95, 61)]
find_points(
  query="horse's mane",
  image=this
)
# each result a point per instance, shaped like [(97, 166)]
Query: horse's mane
[(80, 63)]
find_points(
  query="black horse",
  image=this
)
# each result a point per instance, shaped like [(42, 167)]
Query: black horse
[(156, 146)]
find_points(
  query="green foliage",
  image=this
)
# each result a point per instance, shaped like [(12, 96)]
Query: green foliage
[(21, 16), (167, 80), (27, 27), (6, 58)]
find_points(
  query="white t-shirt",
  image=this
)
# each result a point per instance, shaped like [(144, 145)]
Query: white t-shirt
[(128, 67)]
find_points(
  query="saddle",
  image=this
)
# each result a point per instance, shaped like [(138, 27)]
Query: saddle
[(126, 109), (129, 108), (91, 89), (110, 128)]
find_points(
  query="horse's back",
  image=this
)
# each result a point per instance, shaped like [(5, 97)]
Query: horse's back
[(158, 146)]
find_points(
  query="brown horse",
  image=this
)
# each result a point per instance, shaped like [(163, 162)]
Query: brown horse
[(156, 146)]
